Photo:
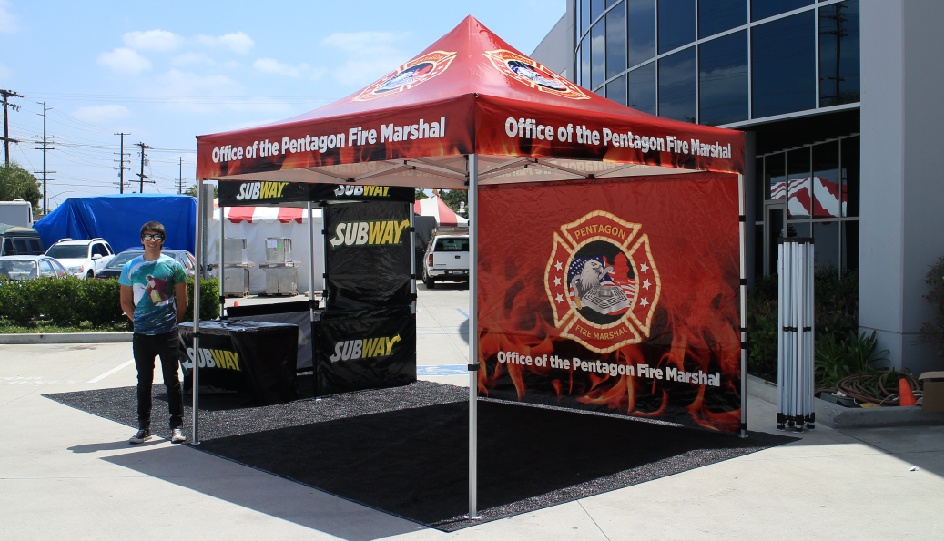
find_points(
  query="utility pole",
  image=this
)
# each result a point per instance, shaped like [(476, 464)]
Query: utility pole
[(142, 176), (44, 148), (180, 176), (6, 124), (121, 164)]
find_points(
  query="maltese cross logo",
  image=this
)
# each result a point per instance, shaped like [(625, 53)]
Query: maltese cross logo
[(602, 282)]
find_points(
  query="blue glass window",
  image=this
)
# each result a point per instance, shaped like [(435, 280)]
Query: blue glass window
[(616, 90), (642, 30), (616, 41), (596, 9), (677, 85), (839, 53), (827, 188), (775, 176), (642, 88), (761, 9), (676, 24), (585, 19), (783, 65), (716, 16), (722, 80), (849, 167), (799, 202), (597, 56)]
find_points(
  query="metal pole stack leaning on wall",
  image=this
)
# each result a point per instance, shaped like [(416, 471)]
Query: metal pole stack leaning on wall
[(795, 334)]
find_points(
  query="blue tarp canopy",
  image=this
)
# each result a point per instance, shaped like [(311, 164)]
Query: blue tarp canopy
[(118, 220)]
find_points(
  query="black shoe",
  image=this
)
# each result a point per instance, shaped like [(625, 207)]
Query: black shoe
[(141, 436)]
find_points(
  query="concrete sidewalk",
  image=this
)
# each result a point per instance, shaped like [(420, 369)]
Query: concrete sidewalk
[(67, 473)]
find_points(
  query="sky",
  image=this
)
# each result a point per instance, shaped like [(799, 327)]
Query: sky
[(165, 72)]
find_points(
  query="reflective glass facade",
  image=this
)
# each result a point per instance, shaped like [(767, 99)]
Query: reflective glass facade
[(752, 65)]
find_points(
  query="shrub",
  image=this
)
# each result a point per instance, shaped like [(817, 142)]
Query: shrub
[(835, 312), (838, 357), (71, 302)]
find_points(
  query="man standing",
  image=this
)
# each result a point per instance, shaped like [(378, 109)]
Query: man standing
[(154, 297)]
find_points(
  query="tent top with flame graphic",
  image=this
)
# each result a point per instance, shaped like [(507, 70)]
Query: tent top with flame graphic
[(468, 93)]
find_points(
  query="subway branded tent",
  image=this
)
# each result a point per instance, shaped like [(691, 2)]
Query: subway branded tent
[(607, 245)]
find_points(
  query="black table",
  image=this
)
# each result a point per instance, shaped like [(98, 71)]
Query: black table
[(253, 357)]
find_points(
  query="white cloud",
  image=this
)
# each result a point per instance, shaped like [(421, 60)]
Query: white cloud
[(152, 40), (274, 67), (101, 114), (238, 42), (124, 60), (370, 55), (192, 59), (8, 21), (193, 92)]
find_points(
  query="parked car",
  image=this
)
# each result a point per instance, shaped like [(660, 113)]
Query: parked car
[(446, 259), (20, 241), (30, 267), (113, 269), (82, 258)]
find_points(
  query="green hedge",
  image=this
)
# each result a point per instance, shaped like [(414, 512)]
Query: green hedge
[(836, 313), (71, 302)]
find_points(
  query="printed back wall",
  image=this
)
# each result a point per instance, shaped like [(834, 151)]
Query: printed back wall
[(615, 296), (368, 255)]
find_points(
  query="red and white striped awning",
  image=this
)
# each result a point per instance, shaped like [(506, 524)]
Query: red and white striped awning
[(434, 206), (260, 214)]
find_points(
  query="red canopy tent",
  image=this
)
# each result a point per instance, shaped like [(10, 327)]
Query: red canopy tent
[(470, 111)]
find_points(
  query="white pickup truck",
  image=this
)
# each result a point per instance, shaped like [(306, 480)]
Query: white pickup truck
[(446, 259)]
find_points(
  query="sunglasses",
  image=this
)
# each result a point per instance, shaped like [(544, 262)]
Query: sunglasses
[(149, 236)]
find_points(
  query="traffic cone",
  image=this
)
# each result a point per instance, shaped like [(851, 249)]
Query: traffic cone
[(905, 396)]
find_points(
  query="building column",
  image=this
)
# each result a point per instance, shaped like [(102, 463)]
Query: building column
[(902, 193)]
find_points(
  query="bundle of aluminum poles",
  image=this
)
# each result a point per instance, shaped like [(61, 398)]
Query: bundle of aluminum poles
[(795, 331)]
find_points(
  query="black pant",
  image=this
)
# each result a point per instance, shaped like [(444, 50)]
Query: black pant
[(146, 347)]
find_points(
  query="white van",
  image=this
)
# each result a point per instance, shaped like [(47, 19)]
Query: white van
[(18, 213)]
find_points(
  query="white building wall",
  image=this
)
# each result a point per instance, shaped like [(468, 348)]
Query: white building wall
[(556, 50), (902, 203)]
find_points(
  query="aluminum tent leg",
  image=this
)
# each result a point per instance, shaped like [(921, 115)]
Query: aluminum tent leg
[(742, 241), (195, 372), (474, 364)]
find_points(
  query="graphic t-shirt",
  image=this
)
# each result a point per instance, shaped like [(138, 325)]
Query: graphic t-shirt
[(153, 284)]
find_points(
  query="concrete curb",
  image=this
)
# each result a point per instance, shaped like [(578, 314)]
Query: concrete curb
[(835, 416), (64, 338)]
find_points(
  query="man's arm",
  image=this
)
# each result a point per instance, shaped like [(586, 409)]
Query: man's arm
[(180, 291), (127, 302)]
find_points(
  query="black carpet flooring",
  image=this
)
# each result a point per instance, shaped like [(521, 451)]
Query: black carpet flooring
[(404, 450)]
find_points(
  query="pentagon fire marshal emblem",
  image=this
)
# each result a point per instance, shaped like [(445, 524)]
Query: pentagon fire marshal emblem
[(533, 74), (602, 282), (413, 73)]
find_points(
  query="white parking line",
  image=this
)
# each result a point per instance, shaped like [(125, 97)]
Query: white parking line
[(112, 371)]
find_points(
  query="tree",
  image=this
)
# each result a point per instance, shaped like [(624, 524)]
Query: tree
[(456, 200), (419, 194), (18, 183), (192, 191)]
